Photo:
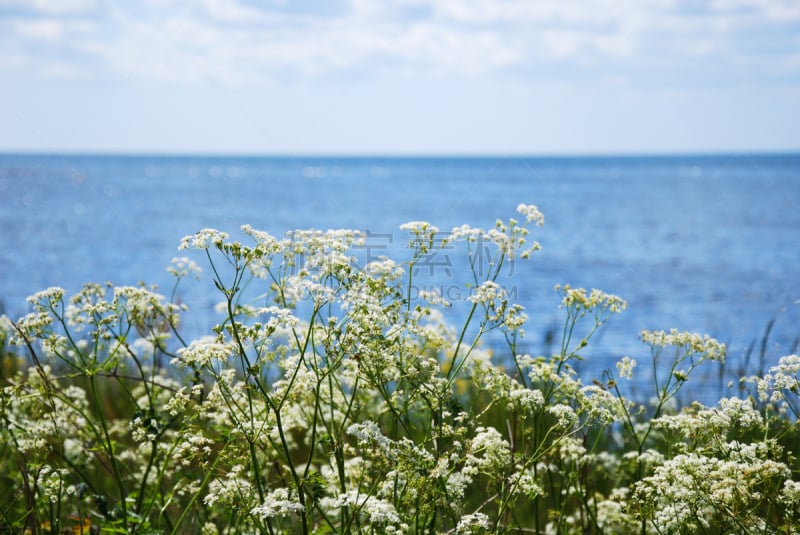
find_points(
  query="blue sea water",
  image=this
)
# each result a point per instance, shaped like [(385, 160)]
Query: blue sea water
[(700, 243)]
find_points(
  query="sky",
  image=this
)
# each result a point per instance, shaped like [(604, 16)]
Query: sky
[(387, 77)]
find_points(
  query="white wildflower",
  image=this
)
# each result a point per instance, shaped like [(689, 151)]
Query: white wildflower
[(527, 399), (278, 317), (52, 482), (690, 342), (487, 293), (233, 489), (488, 452), (183, 266), (423, 235), (299, 288), (374, 510), (419, 227), (600, 404), (457, 484), (203, 239), (369, 434), (472, 523), (625, 367), (203, 352), (265, 239), (791, 492), (278, 503), (564, 414), (597, 300), (47, 297), (434, 297), (571, 449), (465, 232), (523, 482), (613, 514), (178, 403), (531, 213)]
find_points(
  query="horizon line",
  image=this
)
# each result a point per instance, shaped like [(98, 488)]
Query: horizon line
[(399, 155)]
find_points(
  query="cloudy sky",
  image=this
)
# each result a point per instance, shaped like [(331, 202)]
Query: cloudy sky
[(400, 76)]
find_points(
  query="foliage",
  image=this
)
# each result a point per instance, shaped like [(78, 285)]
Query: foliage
[(337, 398)]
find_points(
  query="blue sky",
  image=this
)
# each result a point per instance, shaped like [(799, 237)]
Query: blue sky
[(400, 76)]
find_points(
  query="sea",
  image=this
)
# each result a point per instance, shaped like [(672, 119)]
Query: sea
[(701, 243)]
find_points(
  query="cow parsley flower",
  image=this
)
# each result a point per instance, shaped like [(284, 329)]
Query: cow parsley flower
[(791, 493), (614, 515), (528, 399), (596, 301), (52, 481), (278, 503), (600, 404), (625, 367), (434, 297), (47, 298), (265, 239), (457, 484), (704, 346), (233, 489), (531, 213), (204, 351), (564, 414), (690, 491), (465, 232), (488, 451), (374, 510), (472, 523), (183, 266), (489, 294), (178, 403), (523, 482), (419, 227), (423, 236), (368, 434), (30, 326), (203, 239)]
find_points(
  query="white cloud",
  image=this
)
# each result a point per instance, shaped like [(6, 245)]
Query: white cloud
[(46, 29), (233, 11), (230, 42), (52, 7), (61, 70), (9, 61), (779, 10)]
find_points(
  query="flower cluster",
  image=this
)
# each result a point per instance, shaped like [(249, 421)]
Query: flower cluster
[(203, 239), (596, 301), (691, 343), (780, 386), (331, 398)]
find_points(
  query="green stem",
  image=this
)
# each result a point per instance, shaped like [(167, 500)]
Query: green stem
[(196, 496), (108, 446), (460, 341)]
